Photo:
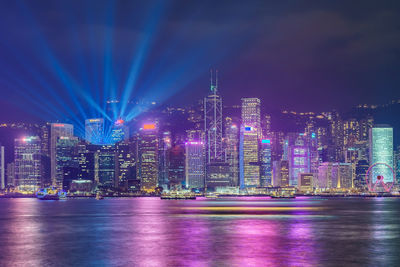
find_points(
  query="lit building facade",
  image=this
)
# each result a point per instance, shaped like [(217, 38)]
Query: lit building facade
[(324, 181), (343, 175), (332, 175), (248, 157), (164, 147), (125, 163), (381, 151), (251, 114), (305, 182), (119, 132), (66, 159), (148, 158), (106, 165), (195, 169), (94, 131), (218, 175), (265, 163), (57, 130), (360, 171), (27, 163), (281, 173), (232, 150), (176, 166), (299, 158)]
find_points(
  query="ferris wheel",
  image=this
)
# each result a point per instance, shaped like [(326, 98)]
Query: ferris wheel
[(379, 177)]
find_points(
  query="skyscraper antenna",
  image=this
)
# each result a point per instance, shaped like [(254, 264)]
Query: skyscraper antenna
[(211, 79), (216, 80)]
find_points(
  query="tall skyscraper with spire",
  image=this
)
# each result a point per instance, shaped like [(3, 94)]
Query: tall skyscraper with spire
[(213, 122)]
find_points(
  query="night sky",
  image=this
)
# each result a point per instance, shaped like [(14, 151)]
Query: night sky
[(66, 58)]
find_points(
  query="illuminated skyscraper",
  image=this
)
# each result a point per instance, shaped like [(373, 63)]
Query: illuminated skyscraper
[(365, 126), (57, 130), (27, 155), (267, 134), (148, 158), (337, 136), (360, 171), (88, 163), (2, 169), (251, 114), (176, 166), (106, 165), (66, 159), (165, 145), (119, 131), (11, 174), (94, 131), (299, 157), (381, 151), (232, 150), (324, 180), (213, 123), (265, 163), (248, 157), (195, 169), (125, 163)]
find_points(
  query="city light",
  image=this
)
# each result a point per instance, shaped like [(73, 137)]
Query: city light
[(150, 126)]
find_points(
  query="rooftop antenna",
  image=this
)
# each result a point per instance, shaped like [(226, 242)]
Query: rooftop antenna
[(211, 80), (216, 80)]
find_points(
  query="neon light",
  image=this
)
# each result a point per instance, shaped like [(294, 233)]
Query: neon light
[(265, 141), (119, 122), (58, 125), (194, 143), (248, 128), (149, 126)]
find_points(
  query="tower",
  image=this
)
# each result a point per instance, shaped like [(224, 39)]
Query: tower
[(27, 161), (381, 151), (148, 158), (57, 130), (94, 130), (213, 122), (251, 114), (248, 157)]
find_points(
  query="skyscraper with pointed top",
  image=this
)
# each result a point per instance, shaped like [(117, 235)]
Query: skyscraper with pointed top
[(213, 122)]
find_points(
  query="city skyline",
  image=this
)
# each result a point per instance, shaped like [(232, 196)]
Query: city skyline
[(199, 133), (89, 60)]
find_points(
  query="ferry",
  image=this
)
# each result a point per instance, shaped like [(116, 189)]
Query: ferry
[(51, 193), (283, 195), (175, 195)]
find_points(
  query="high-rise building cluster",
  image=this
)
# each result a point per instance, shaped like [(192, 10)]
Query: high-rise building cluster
[(214, 148)]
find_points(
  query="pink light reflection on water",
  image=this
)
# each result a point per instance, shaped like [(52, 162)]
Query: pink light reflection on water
[(25, 233)]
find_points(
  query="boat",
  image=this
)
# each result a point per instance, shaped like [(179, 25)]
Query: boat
[(99, 196), (175, 195), (51, 193), (283, 196)]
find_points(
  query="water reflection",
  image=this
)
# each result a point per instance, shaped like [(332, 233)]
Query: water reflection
[(222, 232)]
